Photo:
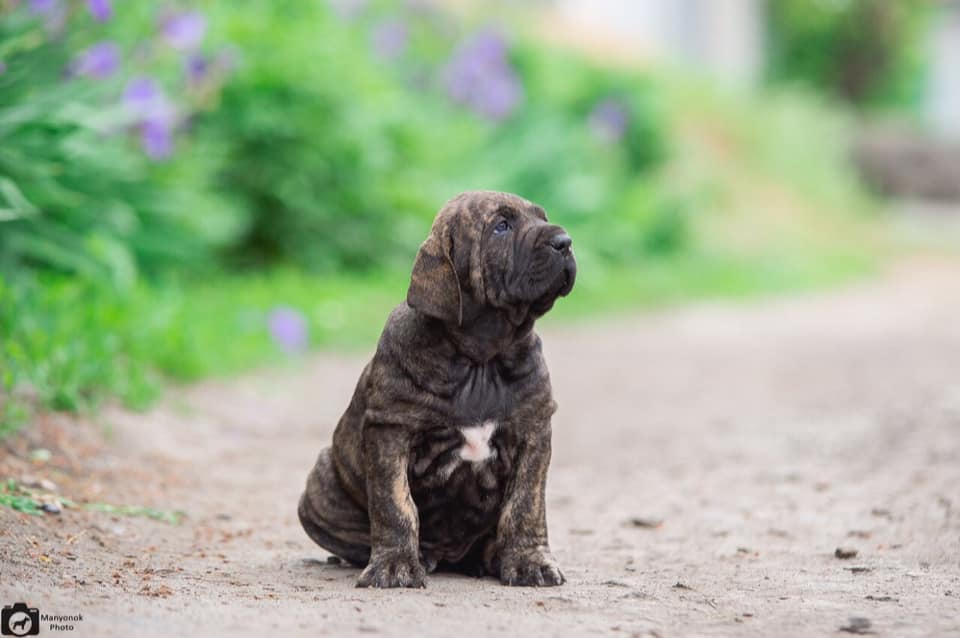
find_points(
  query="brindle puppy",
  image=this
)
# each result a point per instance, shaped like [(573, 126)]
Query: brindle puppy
[(442, 455)]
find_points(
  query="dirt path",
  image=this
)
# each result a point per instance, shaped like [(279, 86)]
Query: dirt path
[(762, 436)]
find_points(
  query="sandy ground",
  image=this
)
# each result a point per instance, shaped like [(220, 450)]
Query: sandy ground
[(757, 439)]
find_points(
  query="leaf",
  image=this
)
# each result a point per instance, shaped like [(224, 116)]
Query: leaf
[(19, 206)]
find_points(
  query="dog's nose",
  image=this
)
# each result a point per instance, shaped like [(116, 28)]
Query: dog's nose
[(561, 241)]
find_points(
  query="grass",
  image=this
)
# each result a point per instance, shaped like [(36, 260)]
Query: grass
[(68, 345), (22, 499)]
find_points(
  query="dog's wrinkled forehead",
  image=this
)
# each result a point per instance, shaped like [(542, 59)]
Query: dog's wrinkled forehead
[(467, 213), (448, 272)]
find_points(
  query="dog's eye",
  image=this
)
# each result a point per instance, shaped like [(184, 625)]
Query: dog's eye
[(502, 227)]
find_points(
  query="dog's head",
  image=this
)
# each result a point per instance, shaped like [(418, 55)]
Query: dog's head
[(490, 251)]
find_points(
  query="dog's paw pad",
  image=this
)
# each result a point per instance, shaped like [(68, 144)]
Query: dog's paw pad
[(395, 570), (532, 569)]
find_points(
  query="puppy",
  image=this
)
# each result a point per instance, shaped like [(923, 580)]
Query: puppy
[(441, 457)]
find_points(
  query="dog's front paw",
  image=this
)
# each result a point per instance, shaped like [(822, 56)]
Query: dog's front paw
[(530, 568), (393, 569)]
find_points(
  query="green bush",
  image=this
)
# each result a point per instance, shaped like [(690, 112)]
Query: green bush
[(76, 194), (310, 135), (319, 152), (868, 52), (284, 143), (338, 158)]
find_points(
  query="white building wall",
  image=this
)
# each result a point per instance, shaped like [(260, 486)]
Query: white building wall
[(943, 89), (722, 38)]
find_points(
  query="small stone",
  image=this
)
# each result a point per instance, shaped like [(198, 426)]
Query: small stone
[(334, 560), (858, 625), (48, 503), (846, 553)]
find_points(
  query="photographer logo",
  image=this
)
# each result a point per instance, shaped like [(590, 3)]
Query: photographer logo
[(19, 620)]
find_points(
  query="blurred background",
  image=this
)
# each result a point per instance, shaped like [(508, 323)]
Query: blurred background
[(191, 189)]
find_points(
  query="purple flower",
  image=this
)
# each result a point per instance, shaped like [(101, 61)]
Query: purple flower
[(154, 115), (156, 137), (141, 89), (609, 121), (101, 10), (390, 38), (196, 68), (480, 77), (3, 67), (99, 61), (209, 72), (53, 12), (184, 31), (502, 93), (288, 329)]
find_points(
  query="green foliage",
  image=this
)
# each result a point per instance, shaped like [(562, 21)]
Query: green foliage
[(866, 51), (18, 499), (68, 344), (307, 148), (317, 153), (603, 190), (339, 160), (164, 516), (22, 499), (76, 195)]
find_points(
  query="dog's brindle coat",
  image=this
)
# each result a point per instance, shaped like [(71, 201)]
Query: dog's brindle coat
[(442, 455)]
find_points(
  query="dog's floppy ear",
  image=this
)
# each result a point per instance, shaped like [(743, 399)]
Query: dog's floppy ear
[(434, 285)]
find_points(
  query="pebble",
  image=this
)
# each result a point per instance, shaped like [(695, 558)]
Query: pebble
[(846, 552), (858, 625)]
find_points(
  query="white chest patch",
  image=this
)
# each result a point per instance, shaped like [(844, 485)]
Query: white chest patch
[(476, 445)]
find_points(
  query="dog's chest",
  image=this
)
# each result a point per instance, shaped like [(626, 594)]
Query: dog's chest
[(459, 468), (458, 476), (440, 452)]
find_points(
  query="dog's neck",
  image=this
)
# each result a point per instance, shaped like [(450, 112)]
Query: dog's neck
[(488, 335)]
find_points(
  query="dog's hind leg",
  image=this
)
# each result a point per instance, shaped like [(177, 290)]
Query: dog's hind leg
[(330, 517)]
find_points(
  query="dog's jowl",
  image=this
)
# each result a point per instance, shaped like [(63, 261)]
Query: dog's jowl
[(441, 457)]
